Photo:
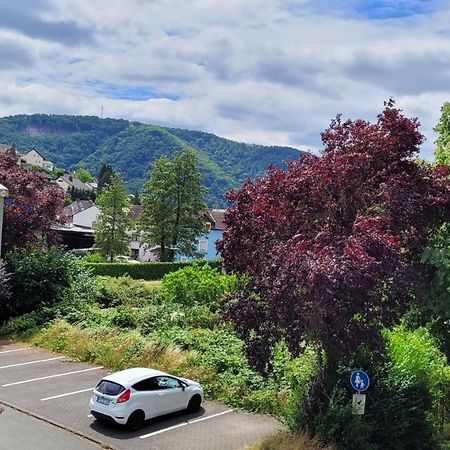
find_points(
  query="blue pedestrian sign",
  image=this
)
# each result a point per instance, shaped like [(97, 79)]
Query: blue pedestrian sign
[(359, 380)]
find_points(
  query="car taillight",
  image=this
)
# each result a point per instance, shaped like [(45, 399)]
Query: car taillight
[(124, 397)]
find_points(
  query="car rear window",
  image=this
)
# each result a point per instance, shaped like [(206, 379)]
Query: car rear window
[(109, 388)]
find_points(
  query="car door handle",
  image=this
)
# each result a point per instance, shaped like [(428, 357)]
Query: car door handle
[(160, 395)]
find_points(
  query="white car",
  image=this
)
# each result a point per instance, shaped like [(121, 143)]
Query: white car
[(125, 259), (132, 396)]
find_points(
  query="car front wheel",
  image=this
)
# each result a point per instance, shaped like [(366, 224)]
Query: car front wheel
[(194, 403)]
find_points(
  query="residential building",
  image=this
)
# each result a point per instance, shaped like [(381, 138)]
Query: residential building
[(69, 181), (32, 158)]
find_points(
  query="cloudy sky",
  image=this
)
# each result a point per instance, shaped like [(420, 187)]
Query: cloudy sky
[(262, 71)]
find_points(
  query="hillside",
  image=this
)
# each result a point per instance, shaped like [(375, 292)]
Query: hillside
[(131, 147)]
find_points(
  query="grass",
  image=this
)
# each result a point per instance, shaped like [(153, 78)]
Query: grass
[(287, 441), (154, 284)]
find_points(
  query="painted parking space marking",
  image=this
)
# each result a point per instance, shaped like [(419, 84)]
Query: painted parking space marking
[(31, 362), (51, 376), (189, 422), (16, 350), (65, 395)]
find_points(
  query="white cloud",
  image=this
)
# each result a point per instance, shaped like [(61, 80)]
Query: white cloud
[(265, 71)]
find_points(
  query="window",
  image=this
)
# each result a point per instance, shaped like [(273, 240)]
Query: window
[(168, 383), (203, 246), (109, 388), (149, 384)]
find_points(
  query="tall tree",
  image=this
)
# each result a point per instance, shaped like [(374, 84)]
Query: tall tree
[(173, 203), (104, 177), (332, 246), (442, 154), (111, 226), (31, 208)]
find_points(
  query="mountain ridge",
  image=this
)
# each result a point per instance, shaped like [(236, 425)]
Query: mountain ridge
[(71, 141)]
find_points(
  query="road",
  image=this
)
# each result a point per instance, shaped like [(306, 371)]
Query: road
[(57, 390)]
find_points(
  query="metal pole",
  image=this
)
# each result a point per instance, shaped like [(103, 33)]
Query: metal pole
[(3, 194)]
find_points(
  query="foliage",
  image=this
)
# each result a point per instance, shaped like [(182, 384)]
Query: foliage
[(432, 306), (31, 208), (442, 154), (84, 175), (38, 278), (123, 290), (406, 403), (332, 245), (131, 148), (144, 271), (5, 287), (173, 203), (104, 177), (112, 223), (197, 284), (92, 258), (415, 354)]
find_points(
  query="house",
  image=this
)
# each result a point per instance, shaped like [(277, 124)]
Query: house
[(214, 227), (32, 158), (78, 232), (207, 243), (69, 181)]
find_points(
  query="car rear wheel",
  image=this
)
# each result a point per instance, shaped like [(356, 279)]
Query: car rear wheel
[(194, 403), (136, 420)]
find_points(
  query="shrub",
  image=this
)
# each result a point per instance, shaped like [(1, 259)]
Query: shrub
[(198, 284), (143, 271), (406, 404), (38, 278), (92, 258), (124, 290), (5, 287)]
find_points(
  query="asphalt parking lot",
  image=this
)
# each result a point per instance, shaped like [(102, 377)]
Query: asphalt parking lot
[(57, 390)]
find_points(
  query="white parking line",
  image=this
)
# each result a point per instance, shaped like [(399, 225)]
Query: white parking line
[(31, 362), (51, 376), (65, 395), (16, 350), (184, 424)]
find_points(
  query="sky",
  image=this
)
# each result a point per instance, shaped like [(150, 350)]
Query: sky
[(271, 72)]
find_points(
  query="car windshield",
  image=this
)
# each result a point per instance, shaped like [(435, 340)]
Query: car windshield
[(109, 388)]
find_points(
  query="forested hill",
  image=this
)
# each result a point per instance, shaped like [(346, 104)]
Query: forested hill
[(131, 147)]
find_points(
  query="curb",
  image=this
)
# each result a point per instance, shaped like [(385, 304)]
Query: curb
[(58, 425)]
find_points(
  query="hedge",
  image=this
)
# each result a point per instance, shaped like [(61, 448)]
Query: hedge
[(143, 271)]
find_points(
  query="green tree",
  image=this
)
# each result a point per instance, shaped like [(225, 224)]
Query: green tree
[(111, 226), (173, 202), (104, 177), (84, 175), (442, 154)]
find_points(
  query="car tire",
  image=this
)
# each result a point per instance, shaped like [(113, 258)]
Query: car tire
[(194, 404), (136, 420)]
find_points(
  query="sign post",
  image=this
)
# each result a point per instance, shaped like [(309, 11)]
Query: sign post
[(360, 382)]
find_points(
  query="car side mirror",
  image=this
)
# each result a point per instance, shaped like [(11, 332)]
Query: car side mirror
[(183, 387)]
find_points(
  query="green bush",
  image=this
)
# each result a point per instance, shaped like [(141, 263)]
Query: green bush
[(5, 288), (92, 258), (143, 271), (38, 278), (124, 290), (406, 403), (198, 284)]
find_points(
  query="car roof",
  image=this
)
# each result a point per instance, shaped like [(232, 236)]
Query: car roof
[(128, 377)]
